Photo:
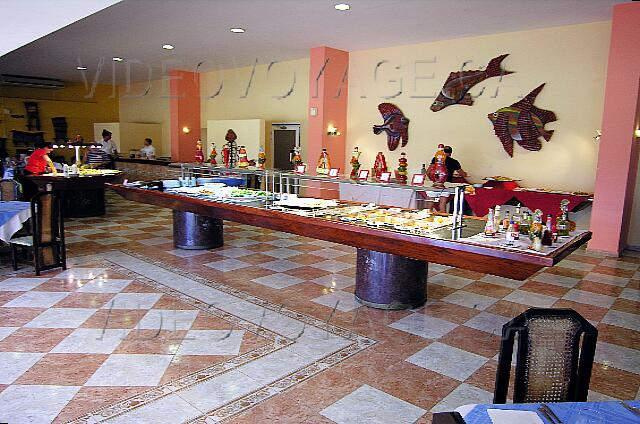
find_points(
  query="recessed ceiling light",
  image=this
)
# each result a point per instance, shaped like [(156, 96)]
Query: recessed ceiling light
[(168, 47), (342, 6), (117, 59), (237, 30), (81, 68)]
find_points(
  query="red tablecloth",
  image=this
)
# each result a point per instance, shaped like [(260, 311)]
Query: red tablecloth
[(548, 203)]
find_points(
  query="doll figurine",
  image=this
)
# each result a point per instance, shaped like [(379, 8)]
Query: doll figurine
[(324, 164), (379, 166), (262, 158), (401, 172), (438, 170), (199, 153), (213, 154), (355, 163), (226, 155), (243, 162), (297, 158)]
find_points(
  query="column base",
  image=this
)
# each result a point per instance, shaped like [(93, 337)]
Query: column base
[(196, 232), (386, 281)]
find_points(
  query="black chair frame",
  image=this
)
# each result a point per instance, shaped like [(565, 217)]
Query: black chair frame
[(581, 366), (57, 243)]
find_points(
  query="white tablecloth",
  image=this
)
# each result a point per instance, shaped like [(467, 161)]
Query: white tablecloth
[(12, 215)]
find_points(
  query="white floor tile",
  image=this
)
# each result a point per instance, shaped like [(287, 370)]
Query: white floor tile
[(34, 404), (590, 298), (104, 285), (280, 265), (612, 263), (372, 406), (281, 253), (335, 281), (556, 280), (346, 302), (108, 241), (36, 300), (155, 241), (21, 284), (451, 281), (329, 253), (91, 340), (241, 242), (211, 342), (532, 299), (61, 318), (284, 243), (81, 273), (450, 361), (130, 370), (220, 390), (163, 319), (464, 394), (607, 279), (470, 300), (170, 410), (185, 253), (332, 265), (227, 265), (6, 332), (14, 364), (630, 294), (622, 319), (618, 356), (235, 252), (133, 301), (278, 281), (487, 322), (424, 325), (580, 266), (501, 281)]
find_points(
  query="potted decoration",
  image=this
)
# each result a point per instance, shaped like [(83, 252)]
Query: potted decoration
[(401, 172)]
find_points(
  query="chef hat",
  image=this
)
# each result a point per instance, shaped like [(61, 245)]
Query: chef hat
[(105, 133)]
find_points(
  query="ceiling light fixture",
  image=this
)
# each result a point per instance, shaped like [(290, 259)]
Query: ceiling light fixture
[(342, 7), (117, 59), (237, 30), (81, 68), (168, 47)]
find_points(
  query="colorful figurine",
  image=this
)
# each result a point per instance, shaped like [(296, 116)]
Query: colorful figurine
[(231, 138), (355, 163), (324, 163), (438, 172), (297, 158), (213, 154), (243, 162), (395, 124), (262, 158), (226, 155), (401, 172), (379, 166), (199, 153)]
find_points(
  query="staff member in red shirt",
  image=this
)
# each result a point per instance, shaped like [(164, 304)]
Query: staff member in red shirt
[(37, 164)]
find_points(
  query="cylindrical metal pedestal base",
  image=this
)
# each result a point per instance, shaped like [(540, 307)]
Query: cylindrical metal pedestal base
[(192, 231), (387, 281)]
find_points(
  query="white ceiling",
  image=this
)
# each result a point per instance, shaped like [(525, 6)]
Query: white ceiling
[(276, 30)]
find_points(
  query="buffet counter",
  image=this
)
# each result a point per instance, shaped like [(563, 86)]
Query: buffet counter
[(146, 169), (394, 246)]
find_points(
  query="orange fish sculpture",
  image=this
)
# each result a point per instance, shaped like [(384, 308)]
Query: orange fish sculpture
[(456, 87), (522, 122), (395, 124)]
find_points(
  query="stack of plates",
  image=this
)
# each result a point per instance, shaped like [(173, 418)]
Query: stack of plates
[(170, 183)]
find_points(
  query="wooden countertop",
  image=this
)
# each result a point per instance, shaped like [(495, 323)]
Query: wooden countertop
[(485, 259)]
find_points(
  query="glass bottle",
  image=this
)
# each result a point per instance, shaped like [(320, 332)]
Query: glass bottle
[(562, 222), (505, 222), (489, 227), (516, 217), (423, 171), (496, 218), (525, 223), (509, 235)]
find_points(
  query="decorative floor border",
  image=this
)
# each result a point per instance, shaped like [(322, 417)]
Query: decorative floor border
[(229, 410)]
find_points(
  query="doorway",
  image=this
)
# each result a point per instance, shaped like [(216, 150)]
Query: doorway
[(284, 138)]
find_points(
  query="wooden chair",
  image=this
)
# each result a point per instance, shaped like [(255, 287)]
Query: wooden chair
[(9, 190), (47, 238), (554, 357)]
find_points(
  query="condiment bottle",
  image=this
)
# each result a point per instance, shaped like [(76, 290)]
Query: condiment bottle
[(504, 225), (489, 227), (496, 218), (509, 236)]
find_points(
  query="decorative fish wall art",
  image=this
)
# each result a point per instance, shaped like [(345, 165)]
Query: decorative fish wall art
[(456, 87), (395, 124), (522, 122)]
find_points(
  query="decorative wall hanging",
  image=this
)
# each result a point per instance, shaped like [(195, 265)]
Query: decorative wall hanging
[(522, 122), (456, 87), (395, 124)]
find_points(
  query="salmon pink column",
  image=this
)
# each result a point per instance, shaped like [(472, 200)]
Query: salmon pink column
[(328, 95), (618, 153), (184, 106)]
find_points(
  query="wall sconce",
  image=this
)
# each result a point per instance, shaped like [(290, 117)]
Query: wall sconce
[(637, 133), (186, 130), (597, 136), (331, 130)]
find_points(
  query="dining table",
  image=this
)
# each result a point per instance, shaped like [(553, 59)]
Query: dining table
[(612, 412), (13, 214)]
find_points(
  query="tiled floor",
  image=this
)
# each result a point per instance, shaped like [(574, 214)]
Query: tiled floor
[(266, 329)]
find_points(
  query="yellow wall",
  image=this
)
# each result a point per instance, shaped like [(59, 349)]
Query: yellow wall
[(572, 61), (69, 102), (145, 102), (250, 134), (262, 100)]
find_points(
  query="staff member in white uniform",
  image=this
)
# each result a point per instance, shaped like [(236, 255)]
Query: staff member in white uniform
[(148, 151), (109, 146)]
